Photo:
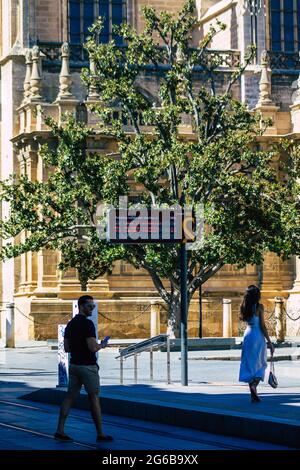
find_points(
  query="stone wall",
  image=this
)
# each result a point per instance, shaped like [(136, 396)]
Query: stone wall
[(227, 39), (172, 6), (283, 88), (147, 82), (251, 87), (48, 18), (131, 318)]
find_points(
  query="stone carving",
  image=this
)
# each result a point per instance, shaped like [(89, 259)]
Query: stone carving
[(65, 50), (264, 83), (93, 92), (35, 79), (26, 85), (264, 58), (65, 80), (253, 6)]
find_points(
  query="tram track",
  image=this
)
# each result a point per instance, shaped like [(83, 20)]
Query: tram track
[(129, 427), (42, 434)]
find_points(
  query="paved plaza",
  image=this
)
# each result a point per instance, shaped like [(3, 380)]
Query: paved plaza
[(213, 391)]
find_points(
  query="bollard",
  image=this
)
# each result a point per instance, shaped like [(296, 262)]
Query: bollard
[(10, 325), (168, 361), (154, 319), (279, 319), (227, 318)]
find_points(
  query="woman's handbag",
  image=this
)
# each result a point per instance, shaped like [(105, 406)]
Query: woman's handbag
[(272, 377)]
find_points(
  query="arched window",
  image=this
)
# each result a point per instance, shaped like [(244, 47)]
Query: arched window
[(82, 14), (285, 25)]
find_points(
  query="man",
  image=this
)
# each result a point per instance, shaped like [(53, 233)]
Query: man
[(80, 341)]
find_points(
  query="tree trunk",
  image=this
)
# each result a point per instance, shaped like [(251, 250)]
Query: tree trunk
[(173, 328)]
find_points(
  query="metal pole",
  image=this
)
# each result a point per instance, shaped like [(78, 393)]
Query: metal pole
[(151, 364), (168, 361), (183, 320), (121, 370), (135, 368), (200, 311)]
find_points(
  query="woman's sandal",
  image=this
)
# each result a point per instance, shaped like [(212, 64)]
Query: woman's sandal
[(254, 397)]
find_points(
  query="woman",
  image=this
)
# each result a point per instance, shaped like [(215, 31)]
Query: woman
[(254, 351)]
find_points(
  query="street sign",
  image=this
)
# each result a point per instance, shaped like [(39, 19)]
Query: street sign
[(150, 226), (171, 225)]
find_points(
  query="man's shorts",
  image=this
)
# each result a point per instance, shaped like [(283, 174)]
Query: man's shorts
[(84, 375)]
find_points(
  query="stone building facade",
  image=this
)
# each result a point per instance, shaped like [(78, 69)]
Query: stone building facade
[(36, 77)]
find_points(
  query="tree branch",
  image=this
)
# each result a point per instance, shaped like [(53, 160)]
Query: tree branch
[(202, 277), (133, 119), (139, 253)]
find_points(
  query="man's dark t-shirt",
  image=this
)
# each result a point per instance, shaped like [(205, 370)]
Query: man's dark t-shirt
[(76, 332)]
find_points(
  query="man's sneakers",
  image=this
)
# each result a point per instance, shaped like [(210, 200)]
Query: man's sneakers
[(104, 437), (63, 437)]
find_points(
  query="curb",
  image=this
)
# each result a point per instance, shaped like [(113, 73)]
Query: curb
[(238, 424), (289, 357)]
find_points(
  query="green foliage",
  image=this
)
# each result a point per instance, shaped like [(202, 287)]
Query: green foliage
[(249, 207)]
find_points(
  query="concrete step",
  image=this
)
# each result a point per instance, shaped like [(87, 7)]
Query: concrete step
[(228, 413), (194, 344), (26, 344)]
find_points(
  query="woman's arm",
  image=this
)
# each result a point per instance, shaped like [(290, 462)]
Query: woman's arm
[(264, 328)]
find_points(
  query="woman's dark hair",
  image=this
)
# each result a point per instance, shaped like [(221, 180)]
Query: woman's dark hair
[(251, 298)]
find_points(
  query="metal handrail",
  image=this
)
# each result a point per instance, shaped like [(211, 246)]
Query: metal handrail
[(150, 345), (142, 346)]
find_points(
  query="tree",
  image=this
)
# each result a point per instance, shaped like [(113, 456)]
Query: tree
[(249, 207)]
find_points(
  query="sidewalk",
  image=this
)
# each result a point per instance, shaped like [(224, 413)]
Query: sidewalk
[(207, 349), (215, 408), (214, 401)]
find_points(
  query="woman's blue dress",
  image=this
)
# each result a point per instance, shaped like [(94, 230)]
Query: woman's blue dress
[(254, 352)]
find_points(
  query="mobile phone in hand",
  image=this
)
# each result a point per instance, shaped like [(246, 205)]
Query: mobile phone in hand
[(106, 339)]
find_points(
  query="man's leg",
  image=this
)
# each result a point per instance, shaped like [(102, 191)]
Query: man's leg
[(65, 410), (92, 387), (96, 412), (74, 387)]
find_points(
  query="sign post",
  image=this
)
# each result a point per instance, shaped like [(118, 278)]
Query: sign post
[(183, 321), (172, 225)]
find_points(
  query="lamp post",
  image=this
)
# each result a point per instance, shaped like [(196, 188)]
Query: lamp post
[(200, 312), (184, 314)]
